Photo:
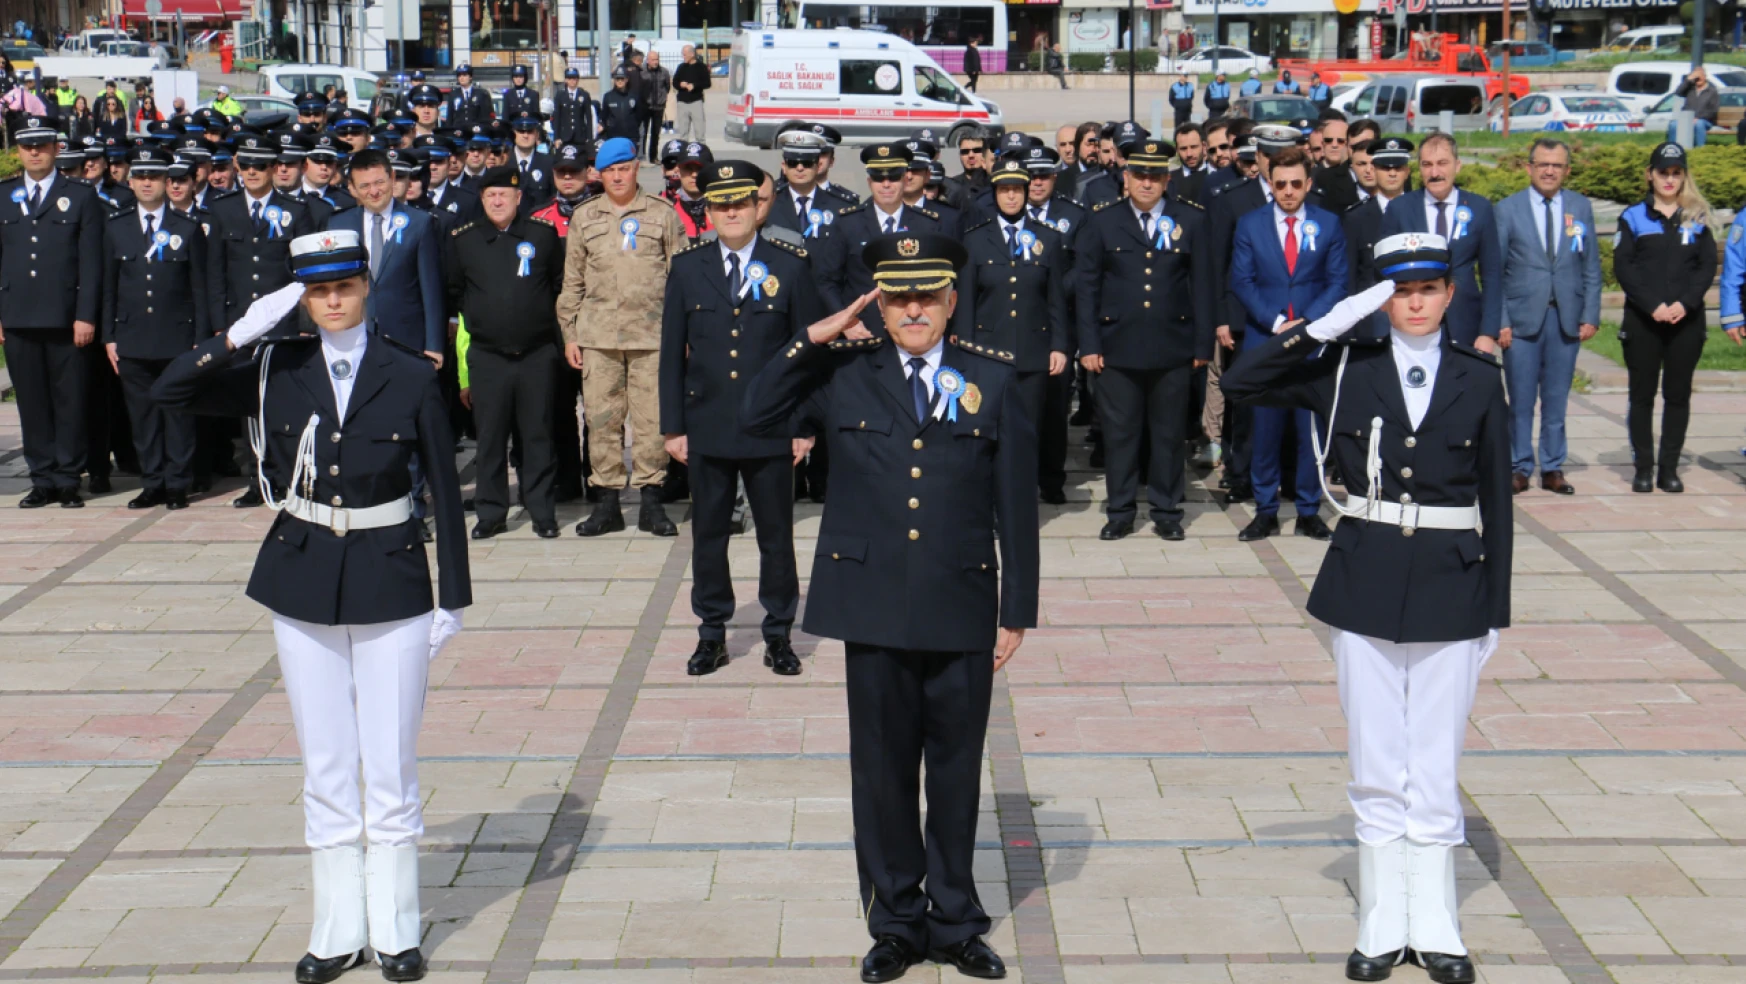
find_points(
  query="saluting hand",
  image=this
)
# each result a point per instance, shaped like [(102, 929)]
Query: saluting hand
[(1006, 645), (826, 331)]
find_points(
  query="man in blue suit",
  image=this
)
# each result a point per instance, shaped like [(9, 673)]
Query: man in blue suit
[(1551, 301), (1288, 263), (406, 281), (1466, 221)]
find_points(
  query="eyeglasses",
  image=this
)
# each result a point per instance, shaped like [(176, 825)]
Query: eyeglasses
[(799, 162), (1218, 146), (254, 165), (884, 177), (1548, 165), (968, 151), (1336, 141), (1295, 184)]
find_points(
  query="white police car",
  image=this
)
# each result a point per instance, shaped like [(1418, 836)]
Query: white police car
[(1577, 110)]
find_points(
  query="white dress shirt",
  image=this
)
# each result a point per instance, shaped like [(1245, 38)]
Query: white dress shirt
[(30, 187), (347, 346), (369, 217), (795, 196), (930, 370), (880, 216), (1014, 227), (1423, 352), (745, 255), (1539, 207), (1148, 219), (157, 218), (1453, 201), (250, 201), (1279, 217)]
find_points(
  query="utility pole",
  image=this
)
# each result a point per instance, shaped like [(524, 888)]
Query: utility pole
[(1505, 97), (1217, 39), (1697, 34), (1133, 32)]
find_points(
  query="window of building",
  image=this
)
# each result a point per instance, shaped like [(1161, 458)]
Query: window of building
[(503, 25)]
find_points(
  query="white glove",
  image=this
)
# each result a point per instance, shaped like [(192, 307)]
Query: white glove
[(264, 314), (445, 624), (1350, 311)]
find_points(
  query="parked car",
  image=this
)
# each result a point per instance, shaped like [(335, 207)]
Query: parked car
[(1641, 84), (291, 80), (1728, 118), (1274, 109), (1530, 54), (1645, 39), (1343, 95), (1411, 103), (1578, 110), (1232, 61), (22, 55)]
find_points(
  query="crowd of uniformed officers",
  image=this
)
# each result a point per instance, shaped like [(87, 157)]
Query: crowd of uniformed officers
[(912, 360)]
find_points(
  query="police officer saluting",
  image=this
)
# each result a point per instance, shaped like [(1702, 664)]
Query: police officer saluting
[(933, 450), (154, 309), (732, 304), (1014, 297), (1417, 583), (504, 275), (343, 570)]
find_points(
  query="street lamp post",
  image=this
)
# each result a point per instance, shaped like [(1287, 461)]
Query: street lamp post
[(1133, 32)]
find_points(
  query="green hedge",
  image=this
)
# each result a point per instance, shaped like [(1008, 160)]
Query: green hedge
[(1614, 173), (1085, 61), (1145, 60), (9, 164)]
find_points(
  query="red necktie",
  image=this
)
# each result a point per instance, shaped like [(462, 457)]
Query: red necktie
[(1291, 244)]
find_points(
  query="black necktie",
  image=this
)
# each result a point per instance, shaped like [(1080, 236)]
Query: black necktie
[(1443, 219), (890, 226), (255, 214), (1551, 237), (918, 390), (524, 167), (733, 275), (1146, 224), (1037, 212), (36, 199), (805, 202), (1012, 240), (151, 222)]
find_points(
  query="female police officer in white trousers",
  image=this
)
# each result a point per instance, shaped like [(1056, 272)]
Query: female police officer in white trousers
[(1414, 588), (340, 414)]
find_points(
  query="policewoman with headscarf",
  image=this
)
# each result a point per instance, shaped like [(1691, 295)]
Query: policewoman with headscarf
[(1416, 581), (337, 416)]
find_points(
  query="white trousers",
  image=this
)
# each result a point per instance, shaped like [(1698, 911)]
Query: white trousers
[(1406, 707), (357, 696)]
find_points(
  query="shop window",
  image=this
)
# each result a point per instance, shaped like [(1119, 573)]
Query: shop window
[(503, 24)]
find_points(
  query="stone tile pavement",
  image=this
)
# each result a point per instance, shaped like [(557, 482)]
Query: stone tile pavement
[(1162, 801)]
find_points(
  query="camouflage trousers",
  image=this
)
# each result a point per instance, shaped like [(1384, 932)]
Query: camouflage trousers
[(616, 384)]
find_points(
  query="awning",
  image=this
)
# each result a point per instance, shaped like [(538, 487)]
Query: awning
[(191, 10)]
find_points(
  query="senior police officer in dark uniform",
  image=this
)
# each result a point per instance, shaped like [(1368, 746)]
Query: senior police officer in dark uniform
[(338, 418), (935, 462), (1014, 300), (1144, 308), (801, 204), (51, 261), (826, 160), (1417, 583), (504, 273), (154, 309), (249, 244), (843, 273), (732, 304)]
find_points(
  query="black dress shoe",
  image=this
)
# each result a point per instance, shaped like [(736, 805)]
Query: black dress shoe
[(250, 498), (175, 499), (780, 658), (1378, 968), (1643, 482), (100, 485), (147, 498), (1171, 531), (485, 531), (317, 970), (709, 656), (652, 517), (1444, 968), (1115, 529), (70, 499), (1668, 481), (1312, 527), (1054, 497), (404, 966), (546, 531), (36, 498), (888, 960), (1242, 493), (972, 957), (1260, 528)]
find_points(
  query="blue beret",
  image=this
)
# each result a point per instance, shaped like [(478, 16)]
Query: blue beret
[(614, 151)]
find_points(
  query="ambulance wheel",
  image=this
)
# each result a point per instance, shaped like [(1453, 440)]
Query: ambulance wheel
[(960, 133)]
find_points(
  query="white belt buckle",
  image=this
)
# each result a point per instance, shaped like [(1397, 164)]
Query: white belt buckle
[(1409, 521), (341, 524)]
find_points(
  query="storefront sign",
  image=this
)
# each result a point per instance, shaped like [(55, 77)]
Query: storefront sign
[(1242, 8), (1092, 30), (1033, 3), (1610, 4)]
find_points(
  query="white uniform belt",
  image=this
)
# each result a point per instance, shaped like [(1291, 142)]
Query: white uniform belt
[(1413, 515), (342, 521)]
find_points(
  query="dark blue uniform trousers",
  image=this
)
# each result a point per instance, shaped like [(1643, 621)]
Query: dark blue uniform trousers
[(1268, 444), (770, 493)]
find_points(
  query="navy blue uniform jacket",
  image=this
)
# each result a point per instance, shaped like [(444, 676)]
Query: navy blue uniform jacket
[(1476, 250), (906, 553)]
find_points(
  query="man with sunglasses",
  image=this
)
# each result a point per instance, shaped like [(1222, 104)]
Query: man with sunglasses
[(1144, 310), (1288, 261), (1336, 184), (843, 275), (799, 205), (962, 188), (915, 186)]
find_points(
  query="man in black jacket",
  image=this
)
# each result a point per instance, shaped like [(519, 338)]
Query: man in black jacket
[(690, 80), (504, 276), (51, 256), (621, 109)]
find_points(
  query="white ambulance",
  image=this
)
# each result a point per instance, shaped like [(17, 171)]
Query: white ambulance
[(869, 85)]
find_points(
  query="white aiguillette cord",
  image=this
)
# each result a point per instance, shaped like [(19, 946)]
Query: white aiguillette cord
[(303, 469), (1325, 329)]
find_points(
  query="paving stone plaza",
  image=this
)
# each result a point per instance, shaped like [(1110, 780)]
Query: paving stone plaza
[(1163, 797)]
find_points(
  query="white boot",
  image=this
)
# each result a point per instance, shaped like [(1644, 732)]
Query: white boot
[(391, 879), (1433, 925), (338, 887), (1382, 897)]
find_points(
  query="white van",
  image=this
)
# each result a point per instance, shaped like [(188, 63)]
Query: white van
[(292, 80), (869, 85), (1645, 39), (1640, 85)]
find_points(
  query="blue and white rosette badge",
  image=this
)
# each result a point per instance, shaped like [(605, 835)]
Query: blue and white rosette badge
[(1576, 234), (1687, 233), (159, 241), (950, 384), (399, 224), (1026, 241), (1310, 229), (1166, 232), (526, 252), (813, 218), (756, 272), (629, 227), (1463, 215), (274, 216), (18, 196)]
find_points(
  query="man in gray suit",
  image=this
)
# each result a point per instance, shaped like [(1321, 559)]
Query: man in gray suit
[(1551, 290)]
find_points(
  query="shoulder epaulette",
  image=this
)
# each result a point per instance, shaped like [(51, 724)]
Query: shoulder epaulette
[(986, 351), (402, 346), (851, 210), (917, 208), (460, 229), (1100, 206), (977, 226), (694, 247), (1191, 203), (857, 344), (1058, 197), (541, 220), (1489, 358), (224, 194), (125, 210), (799, 251)]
